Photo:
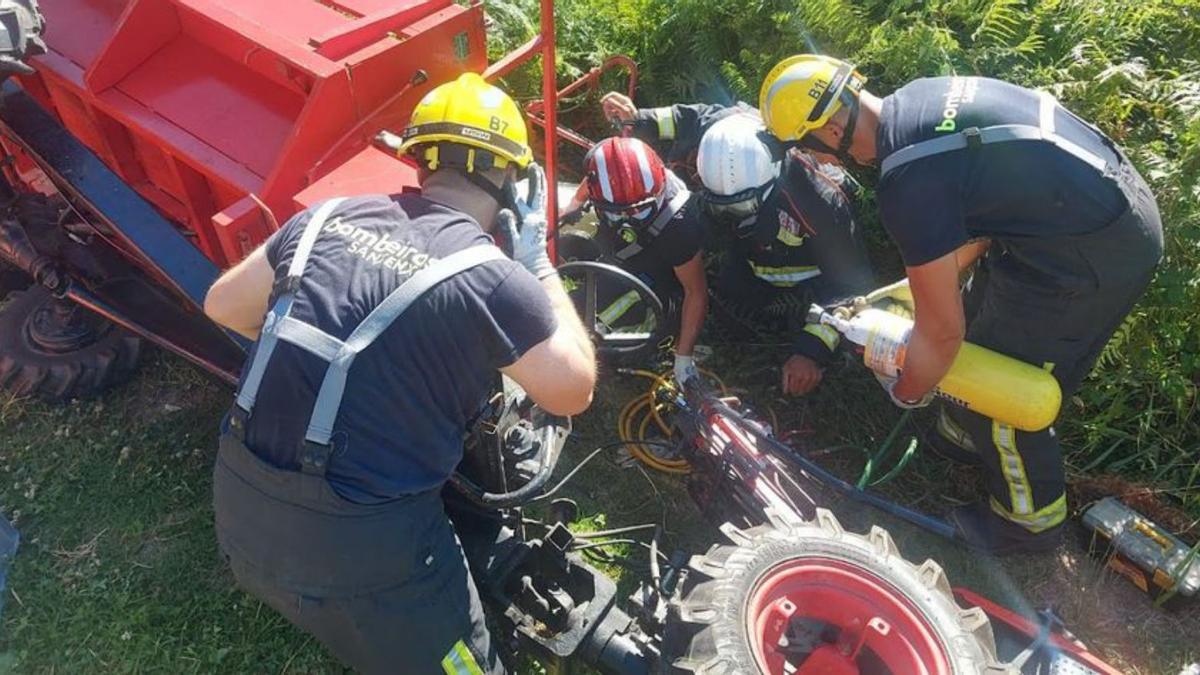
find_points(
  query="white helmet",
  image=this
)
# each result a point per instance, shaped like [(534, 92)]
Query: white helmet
[(736, 167)]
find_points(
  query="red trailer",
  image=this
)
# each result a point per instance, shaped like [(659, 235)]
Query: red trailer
[(171, 137)]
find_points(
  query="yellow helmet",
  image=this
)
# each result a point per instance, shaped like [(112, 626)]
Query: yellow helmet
[(467, 124), (802, 92)]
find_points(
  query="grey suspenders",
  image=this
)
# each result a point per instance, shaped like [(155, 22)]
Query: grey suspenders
[(1001, 133), (660, 222), (338, 354)]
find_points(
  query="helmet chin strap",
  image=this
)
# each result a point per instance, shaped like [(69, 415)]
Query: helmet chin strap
[(494, 191), (843, 149)]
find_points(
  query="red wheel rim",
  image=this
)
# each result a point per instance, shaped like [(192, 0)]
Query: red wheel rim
[(876, 624)]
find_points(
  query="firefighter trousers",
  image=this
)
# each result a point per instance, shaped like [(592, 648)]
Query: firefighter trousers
[(1053, 302), (384, 587)]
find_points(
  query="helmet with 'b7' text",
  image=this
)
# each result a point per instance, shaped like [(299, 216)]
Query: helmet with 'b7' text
[(803, 92), (468, 125)]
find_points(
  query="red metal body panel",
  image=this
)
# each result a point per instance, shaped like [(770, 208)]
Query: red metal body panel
[(229, 115)]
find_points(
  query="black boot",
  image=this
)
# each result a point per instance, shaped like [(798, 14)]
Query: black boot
[(983, 530)]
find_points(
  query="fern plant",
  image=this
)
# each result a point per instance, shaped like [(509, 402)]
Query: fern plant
[(1133, 68)]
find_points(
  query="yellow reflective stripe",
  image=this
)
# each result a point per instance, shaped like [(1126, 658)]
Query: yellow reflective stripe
[(1013, 468), (618, 308), (789, 238), (785, 276), (828, 336), (460, 661), (1038, 521), (948, 429), (666, 123)]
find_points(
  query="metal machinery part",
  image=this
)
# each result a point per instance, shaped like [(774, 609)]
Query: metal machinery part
[(594, 285), (545, 596), (511, 451), (21, 28)]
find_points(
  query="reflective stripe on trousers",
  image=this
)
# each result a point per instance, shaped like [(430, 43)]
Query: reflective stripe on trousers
[(785, 277)]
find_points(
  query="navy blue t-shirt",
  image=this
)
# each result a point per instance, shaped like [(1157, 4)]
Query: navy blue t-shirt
[(679, 241), (933, 205), (410, 394)]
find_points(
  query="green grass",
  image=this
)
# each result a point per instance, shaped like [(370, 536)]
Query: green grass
[(118, 568)]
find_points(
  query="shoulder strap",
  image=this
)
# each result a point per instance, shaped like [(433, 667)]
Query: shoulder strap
[(1000, 133), (333, 387), (269, 336), (682, 194)]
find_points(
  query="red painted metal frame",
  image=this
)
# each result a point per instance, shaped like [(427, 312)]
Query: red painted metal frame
[(543, 44), (534, 109), (230, 116), (867, 611), (1027, 628)]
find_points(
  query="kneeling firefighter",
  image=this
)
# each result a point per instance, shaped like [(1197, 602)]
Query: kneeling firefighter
[(648, 223), (388, 319), (1068, 232), (794, 235)]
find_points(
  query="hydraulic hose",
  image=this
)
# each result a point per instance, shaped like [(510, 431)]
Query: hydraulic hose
[(643, 413)]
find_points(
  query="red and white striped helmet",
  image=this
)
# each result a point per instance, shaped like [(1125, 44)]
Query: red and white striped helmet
[(626, 180)]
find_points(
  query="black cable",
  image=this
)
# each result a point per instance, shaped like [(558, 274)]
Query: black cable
[(611, 542), (619, 530), (590, 457), (602, 544)]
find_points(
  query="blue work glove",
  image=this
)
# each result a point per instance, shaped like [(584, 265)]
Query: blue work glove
[(529, 240)]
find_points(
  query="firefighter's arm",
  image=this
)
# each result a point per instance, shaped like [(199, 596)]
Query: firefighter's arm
[(695, 303), (558, 373), (678, 127), (939, 330), (968, 253), (238, 299)]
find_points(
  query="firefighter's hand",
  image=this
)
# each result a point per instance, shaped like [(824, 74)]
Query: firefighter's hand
[(801, 375), (529, 241), (619, 106), (685, 369), (889, 385)]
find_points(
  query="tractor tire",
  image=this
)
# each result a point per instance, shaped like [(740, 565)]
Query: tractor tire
[(108, 356), (12, 279), (716, 624)]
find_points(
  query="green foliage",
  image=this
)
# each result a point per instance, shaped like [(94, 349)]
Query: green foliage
[(1132, 68)]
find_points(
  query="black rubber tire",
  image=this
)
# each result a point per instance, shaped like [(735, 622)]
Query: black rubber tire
[(26, 370), (577, 245), (12, 279), (706, 626)]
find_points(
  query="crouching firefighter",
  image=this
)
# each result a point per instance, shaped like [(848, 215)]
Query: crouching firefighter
[(388, 319), (1068, 232), (793, 238), (649, 224)]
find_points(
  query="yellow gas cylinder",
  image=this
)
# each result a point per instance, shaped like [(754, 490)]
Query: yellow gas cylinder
[(994, 385)]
